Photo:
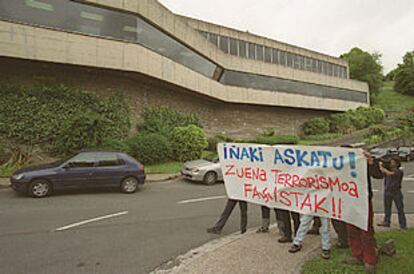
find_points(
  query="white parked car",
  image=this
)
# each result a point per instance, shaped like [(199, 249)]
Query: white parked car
[(203, 170)]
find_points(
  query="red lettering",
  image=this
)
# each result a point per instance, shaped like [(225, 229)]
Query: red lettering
[(318, 204), (306, 202), (229, 170), (286, 201), (248, 172), (247, 189), (296, 197), (353, 191)]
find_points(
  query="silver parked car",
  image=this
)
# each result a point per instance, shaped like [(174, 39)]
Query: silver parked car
[(206, 171)]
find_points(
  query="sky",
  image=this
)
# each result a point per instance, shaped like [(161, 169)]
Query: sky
[(329, 26)]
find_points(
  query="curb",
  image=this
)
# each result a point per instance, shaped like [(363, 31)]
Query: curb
[(4, 182), (162, 178)]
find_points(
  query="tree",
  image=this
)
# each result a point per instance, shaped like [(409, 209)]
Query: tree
[(404, 78), (366, 67)]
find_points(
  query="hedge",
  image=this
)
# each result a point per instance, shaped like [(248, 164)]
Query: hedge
[(150, 148), (188, 143)]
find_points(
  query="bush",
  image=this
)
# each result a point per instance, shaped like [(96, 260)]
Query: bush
[(188, 143), (112, 144), (213, 141), (46, 115), (277, 139), (341, 123), (149, 148), (377, 130), (163, 120), (316, 126)]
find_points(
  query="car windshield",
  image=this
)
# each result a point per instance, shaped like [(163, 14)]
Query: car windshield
[(64, 160), (378, 151), (212, 158), (404, 149)]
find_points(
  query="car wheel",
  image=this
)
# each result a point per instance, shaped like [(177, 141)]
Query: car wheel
[(39, 188), (129, 185), (210, 178)]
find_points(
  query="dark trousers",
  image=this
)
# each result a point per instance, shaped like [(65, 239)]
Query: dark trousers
[(266, 212), (398, 198), (339, 227), (285, 217), (227, 211), (363, 245)]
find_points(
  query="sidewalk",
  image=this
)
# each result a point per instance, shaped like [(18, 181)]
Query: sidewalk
[(254, 253), (5, 182)]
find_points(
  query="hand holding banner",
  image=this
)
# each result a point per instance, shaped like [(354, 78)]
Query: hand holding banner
[(322, 181)]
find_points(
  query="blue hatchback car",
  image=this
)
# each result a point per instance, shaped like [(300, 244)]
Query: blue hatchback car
[(85, 169)]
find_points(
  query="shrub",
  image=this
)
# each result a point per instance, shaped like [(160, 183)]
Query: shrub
[(340, 123), (44, 114), (188, 143), (372, 115), (149, 148), (117, 145), (213, 141), (316, 126), (277, 139), (163, 120), (377, 130)]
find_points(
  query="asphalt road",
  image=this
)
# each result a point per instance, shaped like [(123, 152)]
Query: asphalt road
[(155, 226)]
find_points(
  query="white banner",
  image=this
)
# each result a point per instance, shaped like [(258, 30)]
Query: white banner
[(322, 181)]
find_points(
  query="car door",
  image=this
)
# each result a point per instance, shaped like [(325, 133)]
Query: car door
[(110, 169), (78, 171)]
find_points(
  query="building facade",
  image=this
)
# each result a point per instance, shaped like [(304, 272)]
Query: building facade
[(238, 82)]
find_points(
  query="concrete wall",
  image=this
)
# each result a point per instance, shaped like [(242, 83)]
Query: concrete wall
[(41, 44), (238, 120)]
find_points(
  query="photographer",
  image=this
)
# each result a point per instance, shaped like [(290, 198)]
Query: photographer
[(392, 192)]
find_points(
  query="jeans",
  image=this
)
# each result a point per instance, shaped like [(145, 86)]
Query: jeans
[(305, 224), (284, 217), (398, 198)]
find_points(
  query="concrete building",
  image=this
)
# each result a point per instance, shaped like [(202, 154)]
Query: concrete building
[(238, 82)]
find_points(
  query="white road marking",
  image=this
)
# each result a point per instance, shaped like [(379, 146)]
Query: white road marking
[(91, 220), (410, 191), (408, 179), (201, 199)]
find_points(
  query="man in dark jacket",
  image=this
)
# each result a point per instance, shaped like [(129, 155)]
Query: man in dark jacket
[(392, 192)]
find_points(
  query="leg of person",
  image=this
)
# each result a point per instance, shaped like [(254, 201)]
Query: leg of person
[(279, 221), (326, 238), (369, 244), (243, 216), (296, 220), (387, 210), (265, 220), (399, 203), (315, 227), (340, 229), (305, 224), (216, 229), (284, 217)]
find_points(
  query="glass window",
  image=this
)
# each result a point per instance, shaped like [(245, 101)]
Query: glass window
[(289, 59), (282, 58), (213, 38), (242, 49), (259, 52), (109, 159), (314, 65), (268, 55), (252, 51), (301, 62), (308, 64), (39, 5), (82, 160), (204, 34), (322, 65), (224, 44), (329, 70), (275, 58), (234, 47)]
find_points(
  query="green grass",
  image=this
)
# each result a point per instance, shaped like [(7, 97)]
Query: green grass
[(170, 167), (7, 171), (318, 139), (401, 263), (391, 101)]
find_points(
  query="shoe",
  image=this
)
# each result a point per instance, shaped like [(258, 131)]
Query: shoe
[(313, 231), (342, 245), (326, 254), (295, 248), (243, 230), (369, 268), (262, 230), (213, 230), (352, 261), (285, 239), (384, 224)]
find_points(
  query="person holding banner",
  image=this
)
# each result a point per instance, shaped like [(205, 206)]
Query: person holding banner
[(305, 224), (216, 229), (363, 244)]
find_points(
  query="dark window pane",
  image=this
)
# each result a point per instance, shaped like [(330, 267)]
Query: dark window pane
[(252, 51), (224, 44), (323, 67), (308, 64), (261, 82), (289, 59), (259, 52), (213, 38), (282, 58), (301, 62), (275, 59), (314, 65), (204, 34), (82, 160), (109, 159), (233, 46), (268, 55), (242, 49)]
